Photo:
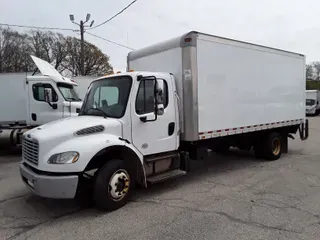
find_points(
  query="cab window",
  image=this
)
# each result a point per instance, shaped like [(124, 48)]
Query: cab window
[(38, 92), (145, 96), (106, 96)]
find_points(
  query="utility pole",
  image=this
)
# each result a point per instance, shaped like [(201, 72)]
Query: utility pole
[(82, 31), (82, 47)]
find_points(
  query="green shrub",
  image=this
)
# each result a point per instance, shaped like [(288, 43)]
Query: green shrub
[(312, 85)]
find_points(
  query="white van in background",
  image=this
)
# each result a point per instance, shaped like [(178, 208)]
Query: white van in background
[(312, 102)]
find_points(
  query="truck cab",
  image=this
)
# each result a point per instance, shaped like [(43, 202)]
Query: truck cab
[(117, 110), (50, 96), (130, 100)]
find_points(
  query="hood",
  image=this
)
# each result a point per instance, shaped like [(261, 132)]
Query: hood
[(67, 127), (76, 104), (75, 108), (46, 68), (308, 107)]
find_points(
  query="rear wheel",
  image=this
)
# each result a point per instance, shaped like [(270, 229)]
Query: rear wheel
[(270, 148), (112, 186)]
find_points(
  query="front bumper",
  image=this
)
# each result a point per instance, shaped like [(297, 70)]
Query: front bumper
[(59, 187), (310, 111)]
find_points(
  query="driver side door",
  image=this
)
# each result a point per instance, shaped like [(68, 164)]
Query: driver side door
[(40, 112), (157, 136)]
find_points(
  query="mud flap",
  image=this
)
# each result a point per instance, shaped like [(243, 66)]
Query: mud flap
[(284, 144), (304, 130)]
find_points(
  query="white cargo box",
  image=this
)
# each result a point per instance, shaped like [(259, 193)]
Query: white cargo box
[(313, 95), (83, 84), (13, 98), (228, 87)]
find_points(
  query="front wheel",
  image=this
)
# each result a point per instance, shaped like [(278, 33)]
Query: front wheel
[(112, 186)]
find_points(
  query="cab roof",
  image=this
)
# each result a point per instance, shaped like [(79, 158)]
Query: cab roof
[(135, 74)]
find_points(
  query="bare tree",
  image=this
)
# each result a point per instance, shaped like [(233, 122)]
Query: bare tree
[(59, 51), (62, 52), (95, 62), (13, 51), (48, 46), (309, 71), (316, 66)]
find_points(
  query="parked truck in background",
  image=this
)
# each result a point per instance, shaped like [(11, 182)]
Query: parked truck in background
[(27, 101), (312, 102), (178, 99), (83, 83)]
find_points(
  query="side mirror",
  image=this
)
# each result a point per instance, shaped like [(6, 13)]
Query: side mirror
[(160, 109), (159, 98), (48, 95)]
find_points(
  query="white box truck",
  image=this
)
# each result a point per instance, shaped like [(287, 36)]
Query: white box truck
[(312, 102), (27, 101), (178, 99)]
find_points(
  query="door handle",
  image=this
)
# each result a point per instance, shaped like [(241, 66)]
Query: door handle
[(171, 127), (34, 116)]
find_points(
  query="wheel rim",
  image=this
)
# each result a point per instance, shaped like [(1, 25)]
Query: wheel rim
[(119, 185), (276, 146)]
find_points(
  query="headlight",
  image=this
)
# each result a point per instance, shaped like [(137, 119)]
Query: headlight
[(64, 158)]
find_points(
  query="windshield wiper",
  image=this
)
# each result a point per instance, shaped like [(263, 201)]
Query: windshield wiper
[(105, 115)]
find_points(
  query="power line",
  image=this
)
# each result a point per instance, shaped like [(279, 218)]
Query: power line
[(114, 16), (63, 29), (69, 29), (36, 27), (120, 45)]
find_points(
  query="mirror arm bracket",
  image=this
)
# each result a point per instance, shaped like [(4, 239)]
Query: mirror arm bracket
[(54, 105)]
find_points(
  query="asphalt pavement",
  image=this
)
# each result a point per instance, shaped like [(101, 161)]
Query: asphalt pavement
[(234, 196)]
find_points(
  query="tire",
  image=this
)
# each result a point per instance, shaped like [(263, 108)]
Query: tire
[(271, 148), (114, 172)]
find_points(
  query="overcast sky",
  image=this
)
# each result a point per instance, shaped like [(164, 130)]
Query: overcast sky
[(292, 25)]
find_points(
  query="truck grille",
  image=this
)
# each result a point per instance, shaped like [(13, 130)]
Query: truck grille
[(30, 150)]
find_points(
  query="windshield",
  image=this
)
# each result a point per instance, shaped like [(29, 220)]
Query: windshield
[(68, 92), (310, 102), (107, 97)]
